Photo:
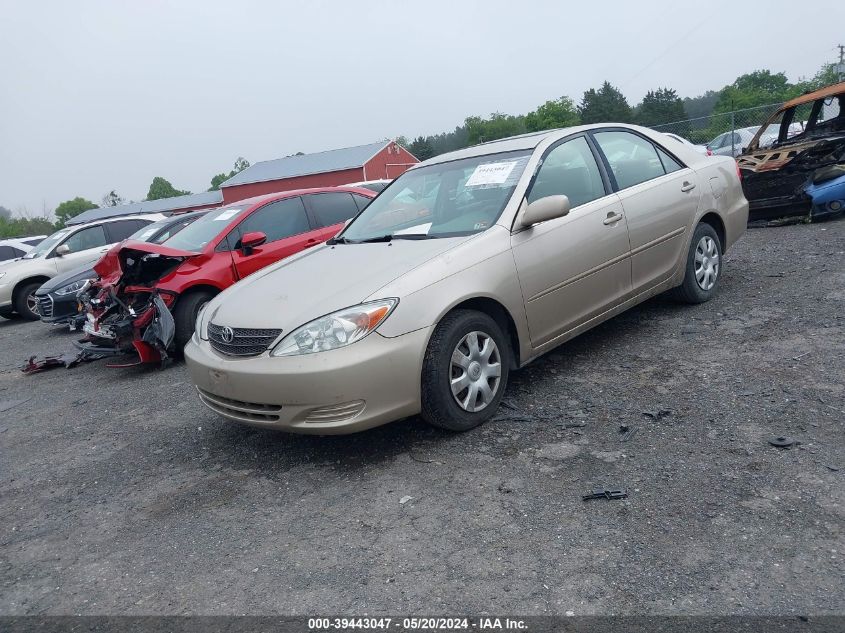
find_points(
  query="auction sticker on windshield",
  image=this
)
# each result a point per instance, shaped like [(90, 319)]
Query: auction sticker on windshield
[(491, 174), (227, 215)]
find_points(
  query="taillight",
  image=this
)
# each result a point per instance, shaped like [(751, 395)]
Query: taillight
[(738, 172)]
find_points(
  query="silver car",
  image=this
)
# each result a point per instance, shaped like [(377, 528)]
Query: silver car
[(467, 267)]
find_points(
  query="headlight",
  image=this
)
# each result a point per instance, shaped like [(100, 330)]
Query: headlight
[(337, 329), (75, 287)]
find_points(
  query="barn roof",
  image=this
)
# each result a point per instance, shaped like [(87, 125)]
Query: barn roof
[(305, 164), (150, 206)]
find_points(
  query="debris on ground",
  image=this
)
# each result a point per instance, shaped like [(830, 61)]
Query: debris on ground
[(405, 500), (658, 415), (627, 432), (783, 442), (606, 493), (66, 360)]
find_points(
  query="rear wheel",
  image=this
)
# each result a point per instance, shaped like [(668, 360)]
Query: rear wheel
[(465, 371), (185, 315), (26, 303), (704, 266)]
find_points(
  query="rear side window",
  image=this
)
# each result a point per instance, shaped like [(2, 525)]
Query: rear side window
[(277, 220), (91, 237), (361, 201), (632, 159), (120, 230), (669, 163), (332, 208)]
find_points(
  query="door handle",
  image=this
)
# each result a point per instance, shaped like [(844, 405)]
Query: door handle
[(311, 243), (612, 218), (687, 186)]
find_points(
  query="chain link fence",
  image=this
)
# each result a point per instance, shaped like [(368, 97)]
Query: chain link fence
[(727, 130)]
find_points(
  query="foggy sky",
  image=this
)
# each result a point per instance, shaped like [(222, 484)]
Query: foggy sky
[(101, 95)]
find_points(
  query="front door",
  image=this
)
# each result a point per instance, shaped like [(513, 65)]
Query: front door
[(288, 231), (575, 267)]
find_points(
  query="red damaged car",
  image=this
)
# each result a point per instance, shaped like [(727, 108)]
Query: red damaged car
[(147, 297)]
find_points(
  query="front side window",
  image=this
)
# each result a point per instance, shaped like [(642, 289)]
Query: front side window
[(91, 237), (570, 169), (632, 159), (460, 197), (332, 208), (277, 220)]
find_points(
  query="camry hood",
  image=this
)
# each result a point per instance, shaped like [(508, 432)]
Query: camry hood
[(130, 256), (328, 278)]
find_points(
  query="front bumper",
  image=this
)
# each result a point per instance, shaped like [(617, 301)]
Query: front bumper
[(368, 383)]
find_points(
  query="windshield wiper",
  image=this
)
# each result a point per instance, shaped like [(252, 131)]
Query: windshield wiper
[(382, 238), (339, 240)]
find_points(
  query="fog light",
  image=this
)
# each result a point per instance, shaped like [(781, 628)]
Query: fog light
[(834, 205)]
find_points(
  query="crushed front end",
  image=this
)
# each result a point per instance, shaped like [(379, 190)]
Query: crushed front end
[(125, 313)]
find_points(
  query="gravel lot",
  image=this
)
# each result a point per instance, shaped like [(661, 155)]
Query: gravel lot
[(121, 493)]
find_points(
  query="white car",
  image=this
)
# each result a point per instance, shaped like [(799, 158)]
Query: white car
[(701, 149), (15, 247), (373, 185), (66, 249)]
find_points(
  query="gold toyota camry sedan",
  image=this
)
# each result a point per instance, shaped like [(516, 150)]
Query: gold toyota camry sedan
[(468, 266)]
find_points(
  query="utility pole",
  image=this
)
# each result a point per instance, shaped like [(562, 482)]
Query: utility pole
[(841, 66)]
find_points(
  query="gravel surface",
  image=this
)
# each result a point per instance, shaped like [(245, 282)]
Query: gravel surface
[(121, 493)]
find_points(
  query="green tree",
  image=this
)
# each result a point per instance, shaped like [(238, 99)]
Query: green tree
[(112, 199), (422, 148), (161, 188), (605, 105), (497, 126), (552, 114), (761, 87), (660, 106), (71, 208), (241, 163)]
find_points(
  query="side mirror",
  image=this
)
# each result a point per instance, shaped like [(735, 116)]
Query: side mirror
[(62, 250), (252, 240), (547, 208)]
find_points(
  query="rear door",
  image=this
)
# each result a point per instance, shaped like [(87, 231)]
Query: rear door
[(288, 230), (660, 198), (86, 246), (328, 211)]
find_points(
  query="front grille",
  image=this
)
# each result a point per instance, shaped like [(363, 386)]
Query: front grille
[(245, 341), (245, 411), (45, 306)]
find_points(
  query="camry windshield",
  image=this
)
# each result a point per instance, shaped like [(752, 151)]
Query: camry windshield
[(46, 246), (197, 235), (460, 197)]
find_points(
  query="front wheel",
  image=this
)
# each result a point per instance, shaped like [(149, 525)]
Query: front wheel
[(185, 316), (465, 371), (26, 303), (703, 267)]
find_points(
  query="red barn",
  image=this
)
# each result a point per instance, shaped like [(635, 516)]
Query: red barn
[(323, 169)]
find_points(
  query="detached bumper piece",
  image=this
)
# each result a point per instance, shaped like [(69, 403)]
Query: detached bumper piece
[(84, 354)]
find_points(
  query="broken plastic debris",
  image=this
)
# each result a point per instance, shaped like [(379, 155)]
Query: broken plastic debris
[(405, 499)]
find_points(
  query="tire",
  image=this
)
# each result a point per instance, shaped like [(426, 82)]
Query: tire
[(7, 313), (440, 406), (701, 278), (23, 298), (185, 315)]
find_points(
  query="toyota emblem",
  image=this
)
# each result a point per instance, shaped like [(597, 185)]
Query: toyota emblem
[(228, 334)]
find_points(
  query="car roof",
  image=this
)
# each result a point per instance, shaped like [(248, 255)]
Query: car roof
[(523, 142), (298, 192), (821, 93)]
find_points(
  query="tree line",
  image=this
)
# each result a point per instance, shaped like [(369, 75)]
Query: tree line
[(597, 105), (608, 103)]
